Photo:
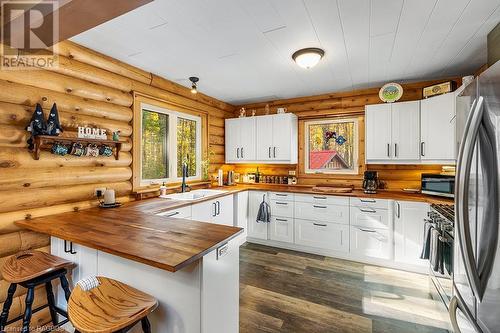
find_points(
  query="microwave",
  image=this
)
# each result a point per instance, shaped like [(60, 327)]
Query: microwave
[(437, 184)]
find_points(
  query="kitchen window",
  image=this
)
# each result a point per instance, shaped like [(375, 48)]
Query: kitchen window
[(331, 146), (168, 139)]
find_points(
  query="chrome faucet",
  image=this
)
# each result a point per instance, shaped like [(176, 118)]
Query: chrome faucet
[(184, 187)]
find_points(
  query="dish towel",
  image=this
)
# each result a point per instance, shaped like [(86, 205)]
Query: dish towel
[(435, 252), (264, 214), (426, 249)]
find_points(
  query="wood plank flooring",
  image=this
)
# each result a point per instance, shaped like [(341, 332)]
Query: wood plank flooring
[(293, 292)]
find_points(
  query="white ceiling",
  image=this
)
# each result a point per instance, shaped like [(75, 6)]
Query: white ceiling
[(241, 49)]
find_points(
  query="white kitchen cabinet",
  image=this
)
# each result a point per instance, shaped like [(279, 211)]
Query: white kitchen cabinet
[(322, 235), (281, 208), (218, 211), (409, 222), (370, 217), (281, 196), (240, 140), (281, 229), (438, 129), (178, 213), (321, 199), (371, 242), (240, 212), (392, 132), (322, 212), (256, 229)]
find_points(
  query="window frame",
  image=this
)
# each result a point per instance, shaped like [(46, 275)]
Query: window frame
[(355, 170), (171, 144)]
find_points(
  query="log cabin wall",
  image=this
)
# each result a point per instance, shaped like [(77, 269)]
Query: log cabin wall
[(336, 105), (90, 89)]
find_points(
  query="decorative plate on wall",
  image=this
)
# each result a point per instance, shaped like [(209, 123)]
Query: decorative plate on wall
[(390, 92)]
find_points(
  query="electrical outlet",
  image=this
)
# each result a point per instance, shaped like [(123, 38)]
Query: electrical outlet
[(99, 192)]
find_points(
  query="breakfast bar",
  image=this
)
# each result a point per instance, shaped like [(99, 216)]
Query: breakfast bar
[(190, 267)]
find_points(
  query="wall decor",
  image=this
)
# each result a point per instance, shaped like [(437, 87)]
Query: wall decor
[(243, 113), (438, 89), (92, 133), (267, 109), (281, 110), (53, 124), (116, 136), (37, 125), (390, 92)]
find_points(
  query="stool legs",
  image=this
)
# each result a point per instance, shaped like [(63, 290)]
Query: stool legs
[(65, 287), (146, 326), (6, 306), (51, 302), (30, 295)]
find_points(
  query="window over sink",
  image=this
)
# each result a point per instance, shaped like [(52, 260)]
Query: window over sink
[(168, 139), (331, 146)]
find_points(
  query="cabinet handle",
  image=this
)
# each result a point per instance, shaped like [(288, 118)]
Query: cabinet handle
[(274, 152), (422, 148), (282, 220), (281, 203), (237, 152), (70, 248), (322, 198), (215, 209), (399, 210), (269, 152), (366, 230), (364, 210), (316, 206), (320, 225), (280, 195), (241, 152), (395, 150), (218, 207), (368, 200), (172, 214), (388, 150)]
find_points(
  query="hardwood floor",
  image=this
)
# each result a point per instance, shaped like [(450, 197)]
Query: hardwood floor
[(293, 292)]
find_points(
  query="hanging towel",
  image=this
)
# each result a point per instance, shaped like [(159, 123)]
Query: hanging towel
[(435, 252), (264, 214), (426, 249)]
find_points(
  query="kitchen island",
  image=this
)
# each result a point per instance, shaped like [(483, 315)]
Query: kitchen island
[(190, 267)]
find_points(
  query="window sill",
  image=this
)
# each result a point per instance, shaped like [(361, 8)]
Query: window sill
[(144, 192)]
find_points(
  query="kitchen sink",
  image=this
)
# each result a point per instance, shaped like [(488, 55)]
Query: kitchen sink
[(193, 195)]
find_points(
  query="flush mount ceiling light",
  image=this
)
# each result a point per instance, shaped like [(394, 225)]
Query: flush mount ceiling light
[(194, 80), (309, 57)]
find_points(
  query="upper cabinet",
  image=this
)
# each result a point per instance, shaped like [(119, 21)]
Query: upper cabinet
[(437, 116), (411, 132), (273, 139), (393, 132)]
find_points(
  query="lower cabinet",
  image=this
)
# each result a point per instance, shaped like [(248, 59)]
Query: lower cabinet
[(218, 211), (257, 230), (370, 242), (281, 229), (179, 213), (328, 236)]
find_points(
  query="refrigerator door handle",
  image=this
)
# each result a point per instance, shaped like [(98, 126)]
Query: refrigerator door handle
[(456, 304), (466, 154)]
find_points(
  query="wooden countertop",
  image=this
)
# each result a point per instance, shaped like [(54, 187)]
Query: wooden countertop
[(132, 232)]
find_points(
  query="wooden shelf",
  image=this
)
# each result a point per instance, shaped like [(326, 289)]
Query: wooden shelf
[(45, 142)]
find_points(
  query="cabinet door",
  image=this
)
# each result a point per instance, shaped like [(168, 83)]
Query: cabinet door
[(328, 236), (406, 130), (370, 217), (281, 208), (204, 211), (264, 139), (378, 132), (232, 140), (321, 212), (179, 213), (282, 137), (247, 127), (281, 229), (256, 229), (409, 222), (437, 128), (371, 242), (224, 211)]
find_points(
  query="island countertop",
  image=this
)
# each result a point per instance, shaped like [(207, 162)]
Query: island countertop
[(135, 233)]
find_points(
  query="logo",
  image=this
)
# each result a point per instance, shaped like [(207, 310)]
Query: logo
[(30, 31)]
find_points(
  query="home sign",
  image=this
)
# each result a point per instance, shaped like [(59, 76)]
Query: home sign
[(91, 133)]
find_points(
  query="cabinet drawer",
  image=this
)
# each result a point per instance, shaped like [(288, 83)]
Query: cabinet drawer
[(370, 217), (370, 202), (179, 213), (281, 229), (322, 212), (281, 208), (328, 236), (371, 242), (281, 196), (322, 199)]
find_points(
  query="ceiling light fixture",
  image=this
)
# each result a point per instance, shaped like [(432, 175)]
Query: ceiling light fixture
[(308, 57), (194, 88)]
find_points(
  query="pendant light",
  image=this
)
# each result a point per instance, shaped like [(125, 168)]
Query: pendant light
[(194, 88), (308, 57)]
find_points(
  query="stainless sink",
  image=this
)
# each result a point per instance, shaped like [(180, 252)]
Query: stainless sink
[(193, 195)]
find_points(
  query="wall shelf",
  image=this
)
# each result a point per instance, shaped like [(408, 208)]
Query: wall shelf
[(45, 142)]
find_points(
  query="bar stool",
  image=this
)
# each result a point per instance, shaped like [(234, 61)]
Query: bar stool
[(104, 305), (31, 269)]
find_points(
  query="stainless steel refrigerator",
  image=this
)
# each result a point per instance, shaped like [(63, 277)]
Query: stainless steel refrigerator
[(475, 306)]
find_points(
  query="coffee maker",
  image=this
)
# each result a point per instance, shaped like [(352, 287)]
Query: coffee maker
[(370, 182)]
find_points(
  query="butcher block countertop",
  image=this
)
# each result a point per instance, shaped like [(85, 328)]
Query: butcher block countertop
[(133, 232)]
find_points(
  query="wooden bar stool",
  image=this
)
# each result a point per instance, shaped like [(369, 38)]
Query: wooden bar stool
[(103, 305), (31, 269)]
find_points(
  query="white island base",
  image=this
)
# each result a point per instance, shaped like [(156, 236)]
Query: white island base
[(200, 298)]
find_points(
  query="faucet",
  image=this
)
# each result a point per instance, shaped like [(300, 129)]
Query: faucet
[(184, 187)]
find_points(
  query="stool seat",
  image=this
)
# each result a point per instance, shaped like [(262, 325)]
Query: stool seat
[(109, 307), (27, 265)]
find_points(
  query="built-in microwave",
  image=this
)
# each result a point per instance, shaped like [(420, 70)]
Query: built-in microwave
[(437, 184)]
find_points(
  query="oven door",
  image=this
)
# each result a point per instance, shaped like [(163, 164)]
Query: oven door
[(438, 185)]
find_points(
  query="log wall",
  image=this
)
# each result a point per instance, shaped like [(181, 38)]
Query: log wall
[(93, 90), (336, 105)]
